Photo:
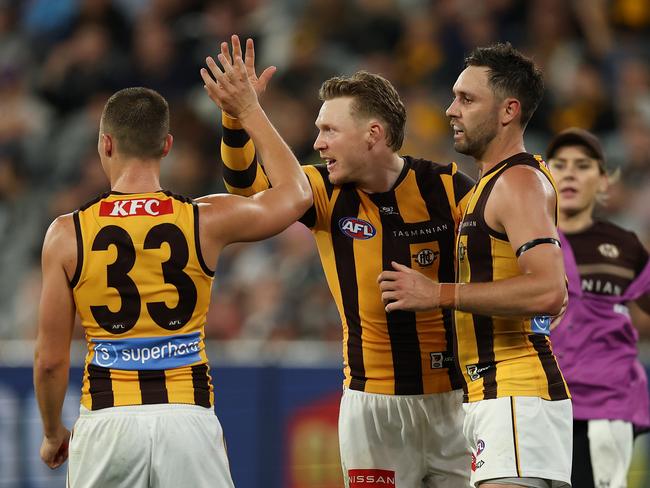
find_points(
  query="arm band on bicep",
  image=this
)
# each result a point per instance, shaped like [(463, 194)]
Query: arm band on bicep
[(536, 242)]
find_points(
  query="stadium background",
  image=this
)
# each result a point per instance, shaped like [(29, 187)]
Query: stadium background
[(274, 332)]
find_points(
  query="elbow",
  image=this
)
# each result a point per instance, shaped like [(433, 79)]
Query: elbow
[(553, 301), (305, 199), (47, 365)]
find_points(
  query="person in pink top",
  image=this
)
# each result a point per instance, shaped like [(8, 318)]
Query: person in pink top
[(595, 342)]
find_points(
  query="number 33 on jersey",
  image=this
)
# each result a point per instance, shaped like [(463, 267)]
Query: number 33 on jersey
[(142, 291)]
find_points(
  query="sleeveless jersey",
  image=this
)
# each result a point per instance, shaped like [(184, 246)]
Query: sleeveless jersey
[(142, 292), (500, 356), (358, 235)]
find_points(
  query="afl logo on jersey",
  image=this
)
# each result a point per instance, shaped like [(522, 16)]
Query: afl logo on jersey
[(609, 251), (357, 228)]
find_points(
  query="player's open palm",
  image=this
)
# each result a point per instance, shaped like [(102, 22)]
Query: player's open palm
[(259, 83), (229, 87)]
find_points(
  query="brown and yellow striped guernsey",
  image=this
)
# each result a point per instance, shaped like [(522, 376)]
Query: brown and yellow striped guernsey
[(142, 291), (358, 235), (500, 356)]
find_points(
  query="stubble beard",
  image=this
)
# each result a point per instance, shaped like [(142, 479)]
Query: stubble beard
[(476, 145)]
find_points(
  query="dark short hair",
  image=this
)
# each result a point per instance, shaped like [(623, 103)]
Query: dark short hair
[(373, 96), (138, 119), (511, 74)]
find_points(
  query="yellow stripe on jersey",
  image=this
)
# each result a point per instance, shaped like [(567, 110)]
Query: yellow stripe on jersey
[(142, 292), (500, 356)]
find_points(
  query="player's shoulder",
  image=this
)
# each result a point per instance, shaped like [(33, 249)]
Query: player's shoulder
[(61, 234), (431, 167)]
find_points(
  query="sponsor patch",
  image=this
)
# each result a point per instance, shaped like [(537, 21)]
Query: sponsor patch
[(147, 353), (364, 478), (441, 360), (425, 257), (480, 446), (461, 251), (609, 250), (357, 228), (475, 372), (541, 324), (136, 207)]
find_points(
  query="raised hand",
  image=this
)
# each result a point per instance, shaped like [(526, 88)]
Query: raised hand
[(231, 88), (259, 83)]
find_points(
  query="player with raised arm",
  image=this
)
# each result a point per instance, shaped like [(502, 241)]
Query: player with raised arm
[(137, 266), (510, 282), (401, 417)]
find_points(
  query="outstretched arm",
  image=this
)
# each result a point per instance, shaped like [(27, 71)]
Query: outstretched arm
[(55, 324), (523, 216), (269, 212), (242, 173)]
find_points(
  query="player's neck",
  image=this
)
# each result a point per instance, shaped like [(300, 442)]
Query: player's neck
[(502, 147), (137, 177), (383, 176)]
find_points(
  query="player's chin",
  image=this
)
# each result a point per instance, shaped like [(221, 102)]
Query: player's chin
[(337, 178)]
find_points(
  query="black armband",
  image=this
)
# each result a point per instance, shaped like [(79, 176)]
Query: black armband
[(536, 242)]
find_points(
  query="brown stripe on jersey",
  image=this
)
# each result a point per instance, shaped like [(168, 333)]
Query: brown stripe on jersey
[(197, 241), (557, 389), (201, 384), (402, 329), (347, 205), (241, 178), (309, 217), (236, 138), (433, 193), (329, 187), (80, 249), (100, 387), (462, 186), (152, 386), (480, 265)]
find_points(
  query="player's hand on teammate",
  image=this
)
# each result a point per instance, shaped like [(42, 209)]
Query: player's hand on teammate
[(54, 450), (407, 289)]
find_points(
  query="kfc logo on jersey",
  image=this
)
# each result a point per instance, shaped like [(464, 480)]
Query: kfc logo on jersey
[(365, 478), (357, 228), (137, 206)]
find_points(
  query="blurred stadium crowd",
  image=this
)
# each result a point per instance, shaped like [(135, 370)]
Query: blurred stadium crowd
[(60, 60)]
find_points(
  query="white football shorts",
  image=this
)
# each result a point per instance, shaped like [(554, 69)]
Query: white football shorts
[(142, 446), (403, 440), (520, 437)]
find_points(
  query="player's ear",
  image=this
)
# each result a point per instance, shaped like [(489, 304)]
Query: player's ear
[(511, 110), (167, 146), (106, 145), (375, 133)]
